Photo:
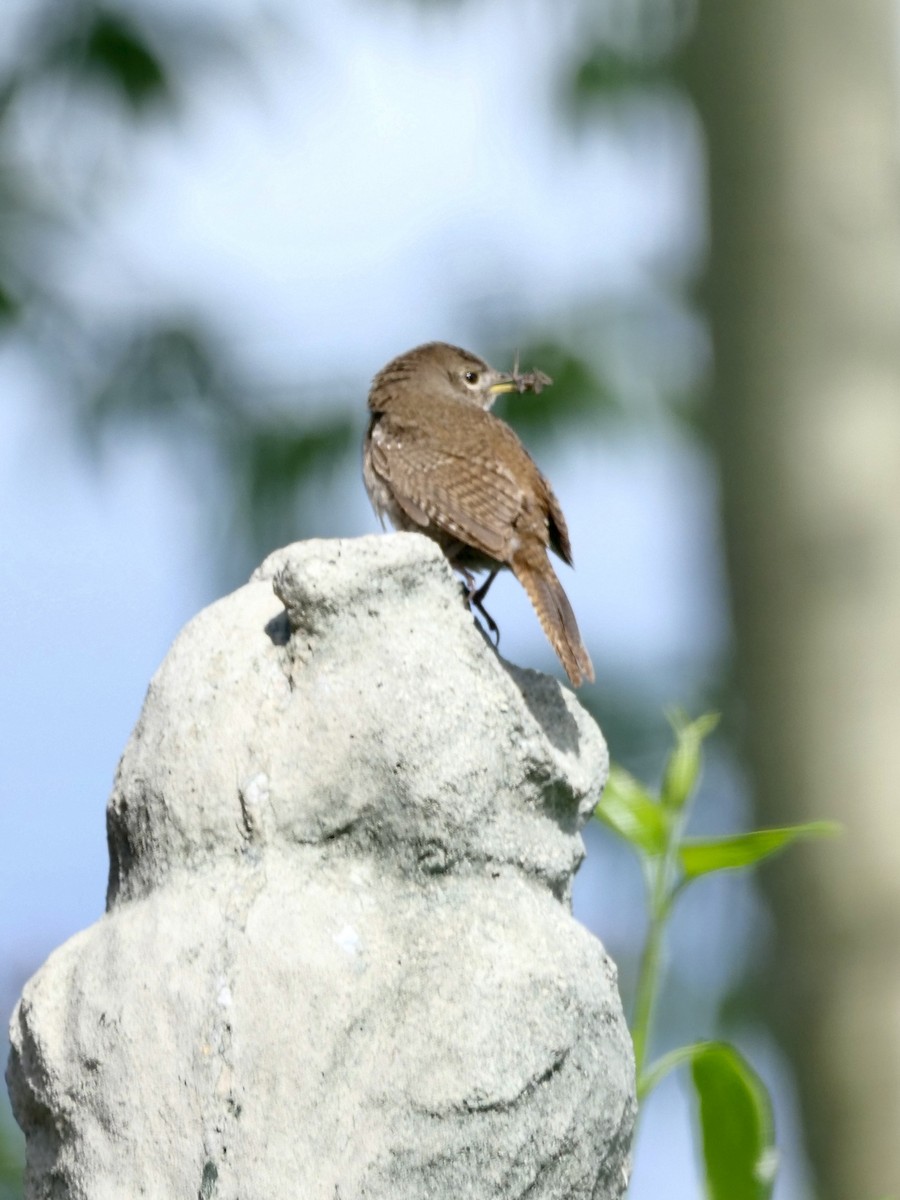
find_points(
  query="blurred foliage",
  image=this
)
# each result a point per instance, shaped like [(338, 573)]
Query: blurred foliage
[(106, 47), (10, 1163), (602, 75), (140, 57), (626, 48), (166, 370), (170, 371), (578, 392), (264, 456), (86, 54)]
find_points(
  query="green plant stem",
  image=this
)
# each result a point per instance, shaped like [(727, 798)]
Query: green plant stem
[(647, 991), (662, 882)]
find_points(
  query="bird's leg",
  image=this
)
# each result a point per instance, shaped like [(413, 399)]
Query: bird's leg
[(475, 597)]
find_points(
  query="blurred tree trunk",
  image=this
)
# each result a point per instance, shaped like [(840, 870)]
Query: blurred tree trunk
[(800, 105)]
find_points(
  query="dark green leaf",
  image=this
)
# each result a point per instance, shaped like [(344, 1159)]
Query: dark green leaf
[(116, 53), (632, 812), (603, 72), (100, 45), (9, 305), (736, 1126), (701, 856)]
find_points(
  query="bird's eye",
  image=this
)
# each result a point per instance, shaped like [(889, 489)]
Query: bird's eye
[(471, 377)]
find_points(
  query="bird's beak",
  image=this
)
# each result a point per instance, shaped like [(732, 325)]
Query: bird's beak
[(503, 383)]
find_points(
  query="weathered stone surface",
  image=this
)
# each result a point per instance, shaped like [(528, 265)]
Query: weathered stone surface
[(338, 960)]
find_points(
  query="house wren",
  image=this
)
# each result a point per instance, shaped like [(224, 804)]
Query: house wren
[(435, 461)]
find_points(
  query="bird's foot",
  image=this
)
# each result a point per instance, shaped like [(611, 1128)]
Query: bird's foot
[(475, 596)]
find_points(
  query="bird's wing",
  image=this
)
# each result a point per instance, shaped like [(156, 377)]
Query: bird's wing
[(559, 531), (468, 493)]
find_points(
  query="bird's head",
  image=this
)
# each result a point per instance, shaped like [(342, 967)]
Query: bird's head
[(440, 371)]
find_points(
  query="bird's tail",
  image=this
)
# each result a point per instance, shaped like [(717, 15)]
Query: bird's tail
[(556, 617)]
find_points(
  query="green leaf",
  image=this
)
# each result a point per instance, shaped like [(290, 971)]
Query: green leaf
[(633, 813), (736, 1126), (735, 1115), (683, 766), (701, 856)]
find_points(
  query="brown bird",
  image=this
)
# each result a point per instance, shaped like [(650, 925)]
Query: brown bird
[(435, 461)]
